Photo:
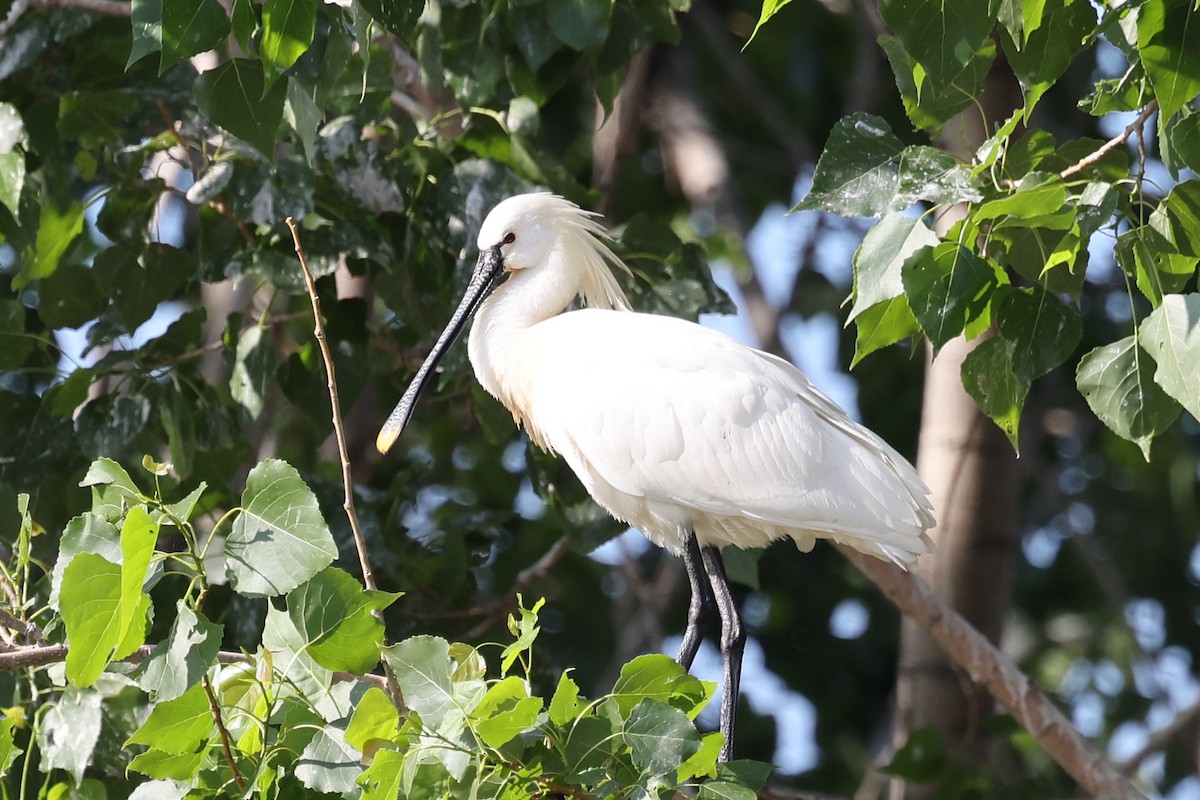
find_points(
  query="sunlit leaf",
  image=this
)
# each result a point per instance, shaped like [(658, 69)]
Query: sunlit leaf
[(68, 734), (335, 615), (328, 764), (177, 662), (1117, 381), (279, 538), (422, 667), (177, 726), (660, 737), (1171, 334), (375, 719), (288, 29)]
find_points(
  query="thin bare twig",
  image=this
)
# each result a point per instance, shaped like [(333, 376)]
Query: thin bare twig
[(1116, 141), (1160, 738), (360, 544), (215, 708), (28, 629), (989, 667), (18, 657), (499, 609)]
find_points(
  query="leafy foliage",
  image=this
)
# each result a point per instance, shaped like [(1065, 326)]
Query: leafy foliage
[(1031, 206)]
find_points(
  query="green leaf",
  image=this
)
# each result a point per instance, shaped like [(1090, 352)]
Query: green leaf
[(146, 16), (381, 780), (288, 29), (866, 171), (929, 103), (1062, 28), (176, 663), (881, 325), (725, 790), (232, 96), (1117, 381), (177, 726), (1183, 133), (579, 24), (1152, 261), (1171, 334), (87, 533), (989, 376), (279, 538), (1041, 331), (12, 159), (70, 730), (188, 27), (1177, 217), (335, 615), (702, 763), (948, 288), (1040, 200), (94, 119), (90, 597), (660, 737), (1020, 18), (1169, 43), (8, 746), (941, 37), (138, 537), (505, 712), (303, 115), (769, 9), (70, 297), (422, 667), (168, 766), (291, 657), (253, 370), (659, 677), (565, 705), (525, 629), (137, 288), (328, 764), (57, 230), (375, 719), (880, 257)]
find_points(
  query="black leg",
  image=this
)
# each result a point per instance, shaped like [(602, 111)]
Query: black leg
[(733, 642), (701, 606)]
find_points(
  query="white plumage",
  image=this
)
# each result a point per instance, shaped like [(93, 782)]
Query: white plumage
[(690, 437)]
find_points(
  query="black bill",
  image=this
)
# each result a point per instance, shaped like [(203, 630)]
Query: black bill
[(487, 269)]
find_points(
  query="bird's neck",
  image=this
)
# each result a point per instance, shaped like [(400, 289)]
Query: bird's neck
[(496, 344)]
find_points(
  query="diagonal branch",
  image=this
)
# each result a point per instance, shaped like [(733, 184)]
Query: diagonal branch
[(989, 667), (215, 708), (1116, 141)]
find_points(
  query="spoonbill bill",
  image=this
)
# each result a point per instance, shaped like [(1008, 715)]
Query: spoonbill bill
[(692, 438)]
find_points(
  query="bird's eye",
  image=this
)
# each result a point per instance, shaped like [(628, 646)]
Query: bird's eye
[(510, 237)]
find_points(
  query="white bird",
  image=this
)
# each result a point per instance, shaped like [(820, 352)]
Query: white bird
[(692, 438)]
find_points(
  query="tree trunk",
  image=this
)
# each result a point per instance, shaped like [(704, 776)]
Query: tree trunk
[(971, 469)]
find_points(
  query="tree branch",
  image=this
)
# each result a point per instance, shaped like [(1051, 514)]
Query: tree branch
[(1161, 738), (360, 544), (990, 668), (1116, 141), (215, 708)]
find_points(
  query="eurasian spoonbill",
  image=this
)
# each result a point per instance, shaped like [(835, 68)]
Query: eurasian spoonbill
[(692, 438)]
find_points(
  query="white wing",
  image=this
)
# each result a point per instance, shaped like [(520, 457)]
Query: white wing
[(670, 423)]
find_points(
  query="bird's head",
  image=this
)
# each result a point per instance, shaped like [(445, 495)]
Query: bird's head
[(526, 232)]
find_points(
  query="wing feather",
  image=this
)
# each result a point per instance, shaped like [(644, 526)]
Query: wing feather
[(677, 416)]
